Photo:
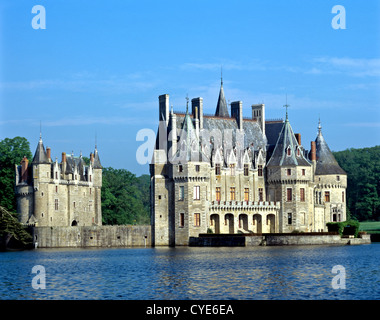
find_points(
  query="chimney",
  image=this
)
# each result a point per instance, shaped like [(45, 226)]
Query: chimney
[(298, 137), (164, 108), (196, 121), (237, 113), (313, 152), (48, 153), (64, 157), (258, 113), (24, 169), (91, 157), (198, 103)]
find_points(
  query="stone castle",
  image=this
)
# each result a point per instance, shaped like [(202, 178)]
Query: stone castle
[(229, 174), (53, 194)]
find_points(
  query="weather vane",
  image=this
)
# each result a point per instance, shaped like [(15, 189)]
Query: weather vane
[(286, 106)]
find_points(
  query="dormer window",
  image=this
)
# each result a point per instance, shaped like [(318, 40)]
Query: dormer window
[(298, 152), (288, 151)]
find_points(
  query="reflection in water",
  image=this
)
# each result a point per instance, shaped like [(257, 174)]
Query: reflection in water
[(193, 273)]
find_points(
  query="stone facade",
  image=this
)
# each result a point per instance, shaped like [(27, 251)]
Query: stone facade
[(92, 236), (222, 174), (59, 194)]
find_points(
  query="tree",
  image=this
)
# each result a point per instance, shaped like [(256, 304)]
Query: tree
[(11, 228), (124, 198), (363, 181), (11, 152)]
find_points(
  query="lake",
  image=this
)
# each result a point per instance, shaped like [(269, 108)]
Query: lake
[(244, 273)]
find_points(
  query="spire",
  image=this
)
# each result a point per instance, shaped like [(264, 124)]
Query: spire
[(326, 162), (40, 154), (221, 107), (286, 106), (96, 164), (287, 152)]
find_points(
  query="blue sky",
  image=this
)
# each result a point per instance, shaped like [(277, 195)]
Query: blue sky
[(99, 67)]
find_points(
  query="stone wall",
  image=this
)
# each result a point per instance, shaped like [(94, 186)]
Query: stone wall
[(94, 236)]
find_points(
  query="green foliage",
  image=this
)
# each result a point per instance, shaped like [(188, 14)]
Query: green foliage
[(344, 227), (125, 198), (11, 153), (11, 228), (363, 181)]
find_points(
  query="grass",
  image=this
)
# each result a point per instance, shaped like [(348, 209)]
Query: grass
[(370, 226)]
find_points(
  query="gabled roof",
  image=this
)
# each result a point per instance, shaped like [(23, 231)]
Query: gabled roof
[(287, 152), (96, 164), (40, 156), (221, 107), (189, 148), (326, 162)]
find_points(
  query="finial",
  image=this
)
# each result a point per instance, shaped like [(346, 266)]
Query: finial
[(286, 106), (187, 103), (221, 75), (40, 130), (319, 125)]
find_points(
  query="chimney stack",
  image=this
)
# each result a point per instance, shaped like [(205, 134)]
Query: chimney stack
[(64, 157), (24, 169), (298, 137), (237, 113), (258, 113), (164, 108), (198, 103), (48, 153), (313, 152), (91, 157)]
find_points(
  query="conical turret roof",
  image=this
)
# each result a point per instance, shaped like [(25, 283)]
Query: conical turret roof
[(326, 162), (287, 151), (40, 156), (221, 107)]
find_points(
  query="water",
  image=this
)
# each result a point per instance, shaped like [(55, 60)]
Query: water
[(293, 272)]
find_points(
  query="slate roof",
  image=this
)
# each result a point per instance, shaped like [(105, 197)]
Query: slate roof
[(40, 156), (326, 162), (285, 141), (221, 107)]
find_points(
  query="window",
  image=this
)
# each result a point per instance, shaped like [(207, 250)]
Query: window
[(56, 188), (302, 194), (56, 175), (217, 169), (232, 194), (289, 218), (181, 194), (289, 194), (181, 220), (90, 178), (327, 196), (337, 178), (246, 194), (303, 172), (246, 169), (196, 194), (218, 194), (74, 204), (232, 169), (56, 205), (261, 194), (289, 172), (260, 170), (342, 196), (180, 168), (197, 219), (298, 152), (197, 168), (288, 151)]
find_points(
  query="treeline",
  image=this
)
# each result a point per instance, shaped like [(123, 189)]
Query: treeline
[(363, 181)]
